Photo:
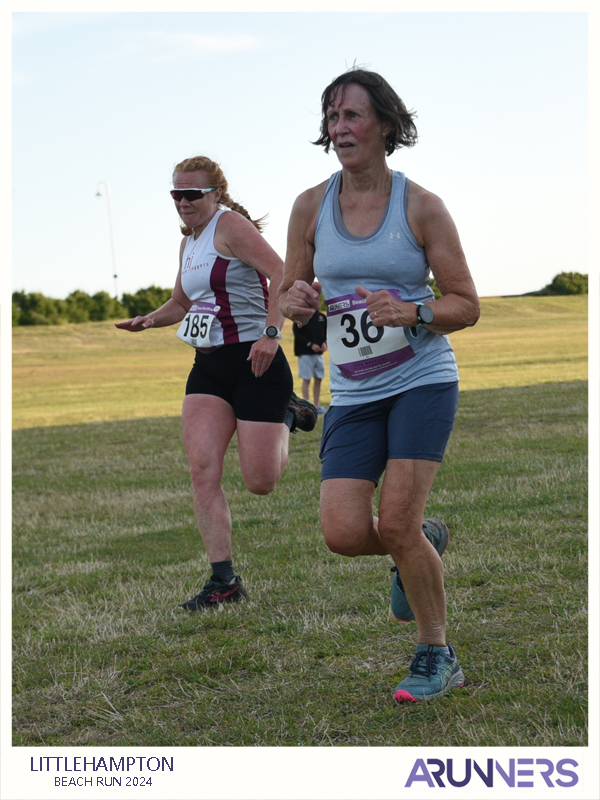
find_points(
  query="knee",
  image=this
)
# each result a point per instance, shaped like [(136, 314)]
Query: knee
[(400, 537), (261, 485), (260, 480), (344, 540), (390, 533), (204, 476), (342, 548)]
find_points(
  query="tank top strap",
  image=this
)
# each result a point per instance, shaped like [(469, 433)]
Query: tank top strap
[(212, 225)]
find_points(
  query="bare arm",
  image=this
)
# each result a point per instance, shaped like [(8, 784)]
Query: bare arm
[(236, 237), (434, 230), (299, 293), (458, 307)]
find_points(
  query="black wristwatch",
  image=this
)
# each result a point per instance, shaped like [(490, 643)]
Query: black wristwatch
[(424, 316), (272, 332)]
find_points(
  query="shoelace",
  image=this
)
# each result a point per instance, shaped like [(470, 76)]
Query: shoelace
[(210, 586), (425, 663)]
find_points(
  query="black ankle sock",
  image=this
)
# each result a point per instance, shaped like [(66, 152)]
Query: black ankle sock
[(289, 419), (223, 570)]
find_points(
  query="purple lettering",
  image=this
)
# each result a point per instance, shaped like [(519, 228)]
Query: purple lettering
[(510, 778), (440, 771), (467, 778), (560, 769), (488, 778), (419, 772)]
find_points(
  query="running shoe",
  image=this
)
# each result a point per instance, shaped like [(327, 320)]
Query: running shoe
[(437, 533), (432, 674), (321, 410), (215, 592), (305, 414)]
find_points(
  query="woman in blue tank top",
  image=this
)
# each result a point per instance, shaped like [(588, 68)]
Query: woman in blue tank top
[(369, 240)]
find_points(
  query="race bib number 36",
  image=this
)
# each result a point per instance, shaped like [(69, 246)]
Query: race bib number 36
[(356, 346), (195, 327)]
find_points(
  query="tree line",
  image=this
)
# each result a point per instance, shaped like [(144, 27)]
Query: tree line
[(564, 283), (35, 308)]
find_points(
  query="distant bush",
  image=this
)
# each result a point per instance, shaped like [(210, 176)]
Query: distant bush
[(436, 291), (36, 309), (105, 307), (79, 305), (566, 283), (145, 300)]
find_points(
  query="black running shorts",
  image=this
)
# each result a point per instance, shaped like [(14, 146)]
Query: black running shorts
[(227, 373)]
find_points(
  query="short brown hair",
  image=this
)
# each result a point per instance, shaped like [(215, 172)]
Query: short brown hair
[(386, 103)]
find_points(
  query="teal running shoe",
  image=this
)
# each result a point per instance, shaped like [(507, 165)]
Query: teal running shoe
[(433, 673), (437, 533)]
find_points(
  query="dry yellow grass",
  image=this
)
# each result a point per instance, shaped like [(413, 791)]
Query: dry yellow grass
[(93, 372), (521, 341)]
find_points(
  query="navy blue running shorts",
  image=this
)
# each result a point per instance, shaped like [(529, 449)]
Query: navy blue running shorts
[(359, 440), (227, 373)]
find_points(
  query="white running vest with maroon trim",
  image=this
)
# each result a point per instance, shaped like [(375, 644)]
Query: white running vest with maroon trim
[(239, 290)]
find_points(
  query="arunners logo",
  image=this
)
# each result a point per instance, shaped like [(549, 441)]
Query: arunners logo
[(510, 773)]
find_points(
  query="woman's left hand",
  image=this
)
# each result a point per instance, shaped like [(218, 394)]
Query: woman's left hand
[(384, 309), (262, 354)]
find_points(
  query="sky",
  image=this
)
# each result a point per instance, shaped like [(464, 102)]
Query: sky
[(118, 98)]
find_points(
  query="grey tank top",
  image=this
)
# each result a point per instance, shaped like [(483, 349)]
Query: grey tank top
[(368, 363)]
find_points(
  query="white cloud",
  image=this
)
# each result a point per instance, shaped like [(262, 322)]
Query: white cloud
[(164, 46)]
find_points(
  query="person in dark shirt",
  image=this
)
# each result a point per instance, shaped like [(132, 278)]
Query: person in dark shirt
[(310, 342)]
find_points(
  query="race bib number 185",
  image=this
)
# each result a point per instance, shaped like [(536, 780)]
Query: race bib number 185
[(195, 327), (356, 346)]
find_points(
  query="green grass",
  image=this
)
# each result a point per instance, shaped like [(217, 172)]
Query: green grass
[(94, 372), (105, 547)]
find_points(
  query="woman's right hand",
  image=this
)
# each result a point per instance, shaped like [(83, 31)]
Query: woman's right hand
[(302, 301), (135, 324)]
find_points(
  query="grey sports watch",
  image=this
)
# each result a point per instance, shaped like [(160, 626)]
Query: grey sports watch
[(424, 316), (272, 332)]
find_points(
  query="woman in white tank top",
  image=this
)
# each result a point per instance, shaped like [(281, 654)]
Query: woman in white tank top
[(240, 381)]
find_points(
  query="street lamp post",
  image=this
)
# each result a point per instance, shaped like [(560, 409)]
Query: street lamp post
[(100, 193)]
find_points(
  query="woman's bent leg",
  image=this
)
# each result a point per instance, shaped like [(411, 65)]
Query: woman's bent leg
[(208, 425), (263, 450), (347, 520), (404, 493), (351, 529)]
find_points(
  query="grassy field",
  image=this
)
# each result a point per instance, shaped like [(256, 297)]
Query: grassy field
[(105, 547), (94, 372)]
